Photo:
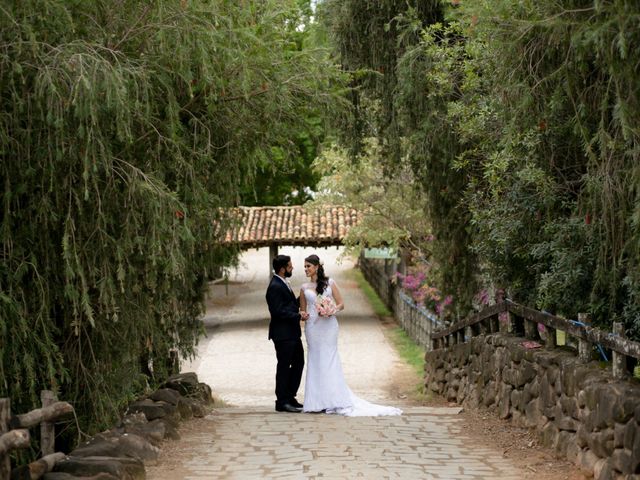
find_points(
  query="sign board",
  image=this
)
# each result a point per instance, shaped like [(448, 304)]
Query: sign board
[(380, 253)]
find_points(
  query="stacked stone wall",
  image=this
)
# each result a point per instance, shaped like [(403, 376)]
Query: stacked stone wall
[(577, 409)]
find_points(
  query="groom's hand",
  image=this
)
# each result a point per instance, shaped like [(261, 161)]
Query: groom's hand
[(304, 315)]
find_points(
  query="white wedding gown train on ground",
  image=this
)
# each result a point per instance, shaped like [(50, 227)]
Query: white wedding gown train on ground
[(325, 388)]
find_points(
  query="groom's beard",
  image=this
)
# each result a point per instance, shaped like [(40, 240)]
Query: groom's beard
[(287, 274)]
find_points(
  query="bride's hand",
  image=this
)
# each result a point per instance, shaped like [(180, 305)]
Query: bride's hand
[(303, 306)]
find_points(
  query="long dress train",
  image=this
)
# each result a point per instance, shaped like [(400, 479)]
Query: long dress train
[(325, 387)]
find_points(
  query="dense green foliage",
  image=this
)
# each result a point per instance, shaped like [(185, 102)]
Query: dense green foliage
[(520, 120), (286, 176), (125, 126), (566, 165), (391, 214), (382, 47)]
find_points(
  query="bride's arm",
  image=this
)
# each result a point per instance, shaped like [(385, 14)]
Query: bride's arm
[(303, 305), (337, 296)]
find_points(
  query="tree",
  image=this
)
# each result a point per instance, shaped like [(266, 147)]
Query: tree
[(520, 123), (392, 214), (395, 100), (126, 129)]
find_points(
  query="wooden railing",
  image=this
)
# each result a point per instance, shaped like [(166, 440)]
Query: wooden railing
[(418, 322), (14, 434), (511, 317)]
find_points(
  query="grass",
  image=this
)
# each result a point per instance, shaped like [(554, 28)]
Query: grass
[(409, 351), (374, 300)]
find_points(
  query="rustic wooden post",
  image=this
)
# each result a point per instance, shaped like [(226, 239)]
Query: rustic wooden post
[(482, 325), (584, 347), (551, 340), (475, 330), (531, 330), (494, 324), (273, 253), (5, 416), (390, 270), (518, 325), (47, 430), (505, 320), (619, 362)]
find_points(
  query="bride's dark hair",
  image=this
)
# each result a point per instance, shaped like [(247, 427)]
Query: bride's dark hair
[(322, 280)]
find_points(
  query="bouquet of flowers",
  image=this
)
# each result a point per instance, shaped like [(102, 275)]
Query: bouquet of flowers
[(326, 306)]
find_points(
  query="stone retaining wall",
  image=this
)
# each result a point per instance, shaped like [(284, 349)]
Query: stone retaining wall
[(122, 452), (577, 409)]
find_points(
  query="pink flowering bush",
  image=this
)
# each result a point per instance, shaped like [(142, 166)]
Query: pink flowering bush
[(417, 285), (484, 298)]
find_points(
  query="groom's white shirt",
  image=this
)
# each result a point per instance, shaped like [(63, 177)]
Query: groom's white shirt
[(284, 280)]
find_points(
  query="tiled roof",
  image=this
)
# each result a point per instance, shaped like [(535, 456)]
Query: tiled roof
[(294, 225)]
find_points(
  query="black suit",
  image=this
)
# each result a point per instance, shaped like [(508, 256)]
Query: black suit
[(284, 330)]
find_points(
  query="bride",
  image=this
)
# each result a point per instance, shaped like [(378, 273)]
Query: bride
[(325, 388)]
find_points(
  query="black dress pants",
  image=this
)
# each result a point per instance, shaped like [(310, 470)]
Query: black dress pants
[(290, 356)]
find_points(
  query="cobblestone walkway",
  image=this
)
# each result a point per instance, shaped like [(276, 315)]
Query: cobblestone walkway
[(250, 440), (252, 443)]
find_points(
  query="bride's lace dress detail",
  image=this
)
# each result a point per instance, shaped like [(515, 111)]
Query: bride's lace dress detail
[(325, 387)]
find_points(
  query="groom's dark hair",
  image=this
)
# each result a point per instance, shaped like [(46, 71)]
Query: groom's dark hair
[(280, 261)]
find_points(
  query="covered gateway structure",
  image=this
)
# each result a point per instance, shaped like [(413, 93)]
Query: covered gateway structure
[(256, 227)]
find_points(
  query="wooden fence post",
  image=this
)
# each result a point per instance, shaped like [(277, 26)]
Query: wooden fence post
[(5, 416), (494, 324), (47, 430), (482, 326), (619, 362), (551, 338), (584, 347), (505, 322), (531, 330)]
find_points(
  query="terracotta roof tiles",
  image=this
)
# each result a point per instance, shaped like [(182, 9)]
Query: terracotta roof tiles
[(293, 225)]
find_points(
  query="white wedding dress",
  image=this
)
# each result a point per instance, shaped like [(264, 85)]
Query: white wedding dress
[(325, 388)]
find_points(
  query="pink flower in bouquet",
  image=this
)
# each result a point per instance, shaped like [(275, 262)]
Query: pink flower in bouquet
[(326, 306)]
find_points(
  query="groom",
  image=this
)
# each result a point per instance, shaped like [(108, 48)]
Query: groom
[(284, 330)]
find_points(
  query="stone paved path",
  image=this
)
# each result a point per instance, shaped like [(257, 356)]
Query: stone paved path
[(250, 441), (255, 443)]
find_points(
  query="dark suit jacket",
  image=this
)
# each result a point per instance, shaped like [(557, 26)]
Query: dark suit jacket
[(284, 310)]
